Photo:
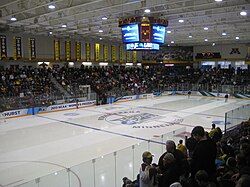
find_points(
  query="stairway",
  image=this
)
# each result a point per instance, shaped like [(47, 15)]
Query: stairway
[(59, 86)]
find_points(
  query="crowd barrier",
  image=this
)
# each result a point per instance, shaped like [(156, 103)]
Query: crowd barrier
[(107, 170)]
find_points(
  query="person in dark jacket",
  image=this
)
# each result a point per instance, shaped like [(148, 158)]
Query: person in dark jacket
[(204, 154)]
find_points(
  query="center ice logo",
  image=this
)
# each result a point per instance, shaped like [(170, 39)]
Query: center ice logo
[(136, 119), (133, 119)]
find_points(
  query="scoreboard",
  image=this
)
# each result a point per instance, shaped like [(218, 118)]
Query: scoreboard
[(143, 33)]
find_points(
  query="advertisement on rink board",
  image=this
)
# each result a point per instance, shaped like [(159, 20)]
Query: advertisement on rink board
[(15, 113), (32, 111)]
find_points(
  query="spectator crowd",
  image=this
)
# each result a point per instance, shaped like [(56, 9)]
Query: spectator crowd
[(208, 159), (34, 86)]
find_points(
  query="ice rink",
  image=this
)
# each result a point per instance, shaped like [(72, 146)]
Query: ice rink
[(34, 146)]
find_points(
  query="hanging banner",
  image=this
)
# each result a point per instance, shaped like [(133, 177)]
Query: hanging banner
[(87, 48), (3, 48), (129, 56), (122, 54), (18, 48), (113, 53), (105, 53), (97, 52), (32, 48), (56, 49), (78, 51), (68, 50), (134, 56)]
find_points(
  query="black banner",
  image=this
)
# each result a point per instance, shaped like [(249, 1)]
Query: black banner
[(3, 48), (32, 48), (207, 55), (18, 48)]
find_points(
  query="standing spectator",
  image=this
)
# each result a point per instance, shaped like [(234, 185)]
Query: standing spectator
[(147, 171), (182, 148), (204, 154)]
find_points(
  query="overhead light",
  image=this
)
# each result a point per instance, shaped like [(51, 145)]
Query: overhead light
[(205, 28), (104, 18), (224, 34), (190, 36), (181, 20), (100, 38), (138, 64), (206, 40), (147, 10), (129, 64), (87, 63), (100, 30), (50, 32), (237, 37), (52, 6), (218, 0), (213, 44), (103, 63), (168, 32), (168, 45), (64, 26), (13, 19), (243, 13), (172, 42), (71, 63)]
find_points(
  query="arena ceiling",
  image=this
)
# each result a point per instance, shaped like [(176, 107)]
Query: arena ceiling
[(83, 18)]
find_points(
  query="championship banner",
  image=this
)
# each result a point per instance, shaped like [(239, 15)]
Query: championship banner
[(3, 48), (67, 50), (129, 56), (134, 56), (32, 48), (97, 52), (105, 53), (113, 53), (78, 51), (121, 53), (87, 48), (56, 49), (17, 48)]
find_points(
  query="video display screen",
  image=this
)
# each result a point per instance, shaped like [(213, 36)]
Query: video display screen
[(130, 33), (158, 34), (142, 46)]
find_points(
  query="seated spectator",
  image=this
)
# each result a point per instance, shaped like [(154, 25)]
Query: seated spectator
[(181, 162), (169, 174), (202, 179)]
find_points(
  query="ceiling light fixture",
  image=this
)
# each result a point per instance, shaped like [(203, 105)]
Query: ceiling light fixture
[(13, 19), (237, 37), (190, 36), (50, 32), (64, 26), (206, 40), (52, 7), (213, 44), (224, 34), (100, 38), (243, 13), (218, 0), (104, 18), (168, 32), (205, 28), (172, 42), (100, 31), (147, 10), (181, 20)]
